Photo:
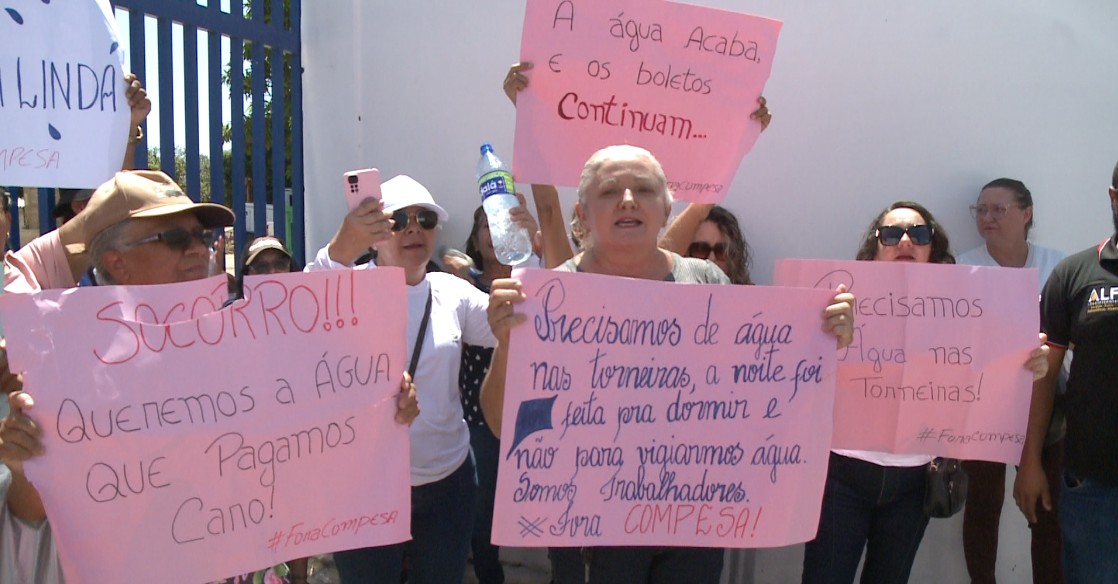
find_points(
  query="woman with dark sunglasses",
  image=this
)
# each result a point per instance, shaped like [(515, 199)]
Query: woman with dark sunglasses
[(906, 231), (706, 231), (874, 501), (402, 229)]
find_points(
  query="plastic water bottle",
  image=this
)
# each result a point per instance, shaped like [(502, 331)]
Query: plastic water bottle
[(511, 242)]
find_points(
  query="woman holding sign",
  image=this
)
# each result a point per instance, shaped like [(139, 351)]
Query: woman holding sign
[(874, 501), (623, 203), (444, 312)]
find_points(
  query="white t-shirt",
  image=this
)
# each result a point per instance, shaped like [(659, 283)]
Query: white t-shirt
[(1044, 259), (440, 440), (887, 458)]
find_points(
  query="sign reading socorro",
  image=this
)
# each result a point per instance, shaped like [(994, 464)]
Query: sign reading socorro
[(63, 110), (699, 416), (937, 362), (676, 79), (203, 443)]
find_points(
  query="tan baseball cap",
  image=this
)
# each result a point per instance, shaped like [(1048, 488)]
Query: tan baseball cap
[(140, 193), (261, 244)]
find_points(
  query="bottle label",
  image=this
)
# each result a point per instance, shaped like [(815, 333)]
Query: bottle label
[(497, 182)]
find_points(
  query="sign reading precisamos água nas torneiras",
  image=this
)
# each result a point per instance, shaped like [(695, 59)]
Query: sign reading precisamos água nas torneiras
[(652, 413), (936, 362), (63, 110)]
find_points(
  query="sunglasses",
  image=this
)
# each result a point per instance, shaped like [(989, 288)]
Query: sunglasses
[(702, 250), (178, 239), (275, 267), (425, 218), (890, 235)]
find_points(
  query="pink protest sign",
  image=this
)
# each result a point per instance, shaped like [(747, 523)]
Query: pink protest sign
[(194, 444), (652, 413), (676, 79), (937, 362)]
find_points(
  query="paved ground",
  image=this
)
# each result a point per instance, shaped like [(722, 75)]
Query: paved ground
[(522, 566)]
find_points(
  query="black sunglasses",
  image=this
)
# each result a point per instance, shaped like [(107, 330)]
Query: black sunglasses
[(890, 235), (425, 218), (178, 238), (274, 267), (702, 250)]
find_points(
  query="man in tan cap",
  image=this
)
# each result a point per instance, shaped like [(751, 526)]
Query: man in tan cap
[(139, 228)]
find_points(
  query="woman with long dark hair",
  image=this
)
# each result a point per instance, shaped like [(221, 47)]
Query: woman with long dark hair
[(874, 501)]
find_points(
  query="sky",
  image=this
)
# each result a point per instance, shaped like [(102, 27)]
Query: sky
[(150, 78)]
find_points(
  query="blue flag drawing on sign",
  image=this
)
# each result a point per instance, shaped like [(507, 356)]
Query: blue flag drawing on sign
[(534, 415)]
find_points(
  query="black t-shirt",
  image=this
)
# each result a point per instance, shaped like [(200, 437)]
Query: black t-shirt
[(1079, 308), (475, 364)]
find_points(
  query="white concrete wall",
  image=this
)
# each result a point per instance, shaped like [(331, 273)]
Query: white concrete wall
[(874, 100)]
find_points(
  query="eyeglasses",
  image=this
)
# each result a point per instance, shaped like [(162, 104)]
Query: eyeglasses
[(425, 218), (178, 238), (890, 235), (994, 211), (702, 250)]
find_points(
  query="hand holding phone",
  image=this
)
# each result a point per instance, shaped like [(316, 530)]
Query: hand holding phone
[(361, 185)]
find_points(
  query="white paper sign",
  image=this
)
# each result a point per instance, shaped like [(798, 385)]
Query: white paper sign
[(63, 112)]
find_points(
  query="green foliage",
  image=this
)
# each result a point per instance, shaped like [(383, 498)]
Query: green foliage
[(246, 92), (180, 169)]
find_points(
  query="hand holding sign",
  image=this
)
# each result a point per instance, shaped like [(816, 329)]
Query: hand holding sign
[(20, 436), (202, 471), (64, 106), (670, 77), (694, 420), (935, 361)]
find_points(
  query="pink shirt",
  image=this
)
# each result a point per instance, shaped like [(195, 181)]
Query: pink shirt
[(39, 265), (27, 552)]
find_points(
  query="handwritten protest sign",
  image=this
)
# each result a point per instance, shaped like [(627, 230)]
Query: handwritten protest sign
[(189, 444), (698, 416), (936, 366), (63, 110), (676, 79)]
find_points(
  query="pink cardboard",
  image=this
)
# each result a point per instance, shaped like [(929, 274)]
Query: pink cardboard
[(677, 79), (190, 443), (652, 413), (937, 362)]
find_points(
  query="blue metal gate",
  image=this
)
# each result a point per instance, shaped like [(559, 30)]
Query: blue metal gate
[(267, 34)]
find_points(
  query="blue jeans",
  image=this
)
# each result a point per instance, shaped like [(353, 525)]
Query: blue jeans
[(1089, 526), (487, 451), (442, 517), (638, 565), (867, 506)]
